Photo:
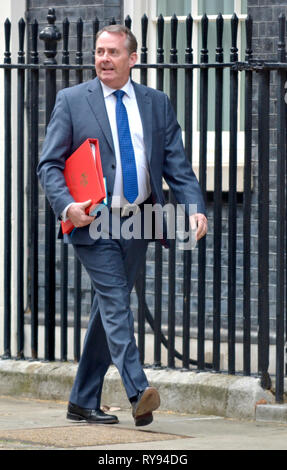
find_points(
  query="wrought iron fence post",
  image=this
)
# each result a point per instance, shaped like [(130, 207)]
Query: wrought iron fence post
[(172, 249), (217, 214), (281, 214), (263, 225), (141, 281), (77, 264), (7, 194), (247, 205), (232, 199), (34, 202), (50, 35), (64, 246), (158, 247), (20, 193), (187, 259), (202, 180)]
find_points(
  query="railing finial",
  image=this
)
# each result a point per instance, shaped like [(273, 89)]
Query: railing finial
[(34, 49), (188, 50), (160, 36), (128, 22), (281, 42), (7, 53), (234, 30), (219, 36), (173, 30), (248, 27), (204, 50), (50, 35)]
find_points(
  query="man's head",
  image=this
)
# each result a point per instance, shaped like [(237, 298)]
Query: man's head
[(116, 54)]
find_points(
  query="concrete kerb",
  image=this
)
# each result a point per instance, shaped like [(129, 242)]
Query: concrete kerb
[(184, 392)]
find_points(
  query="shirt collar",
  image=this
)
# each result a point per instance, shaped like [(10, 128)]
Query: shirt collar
[(127, 88)]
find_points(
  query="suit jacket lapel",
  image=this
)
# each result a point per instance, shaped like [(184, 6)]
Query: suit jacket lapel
[(96, 100), (145, 109)]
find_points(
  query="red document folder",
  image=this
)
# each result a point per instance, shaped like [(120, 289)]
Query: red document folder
[(84, 178)]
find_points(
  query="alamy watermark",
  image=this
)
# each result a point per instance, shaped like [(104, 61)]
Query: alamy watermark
[(153, 222)]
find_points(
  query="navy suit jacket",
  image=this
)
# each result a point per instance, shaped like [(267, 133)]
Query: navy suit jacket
[(80, 113)]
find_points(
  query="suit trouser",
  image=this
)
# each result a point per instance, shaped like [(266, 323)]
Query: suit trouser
[(112, 265)]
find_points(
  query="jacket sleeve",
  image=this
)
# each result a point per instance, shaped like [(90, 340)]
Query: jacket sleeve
[(56, 149), (177, 170)]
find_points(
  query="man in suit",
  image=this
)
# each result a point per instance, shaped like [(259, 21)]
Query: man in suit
[(128, 119)]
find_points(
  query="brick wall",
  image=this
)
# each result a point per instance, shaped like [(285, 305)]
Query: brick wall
[(265, 15)]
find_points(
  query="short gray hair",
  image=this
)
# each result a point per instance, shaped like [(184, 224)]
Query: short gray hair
[(132, 43)]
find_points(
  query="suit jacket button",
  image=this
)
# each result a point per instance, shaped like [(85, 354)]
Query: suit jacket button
[(113, 166)]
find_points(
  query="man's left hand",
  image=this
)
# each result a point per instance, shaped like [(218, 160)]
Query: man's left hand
[(198, 222)]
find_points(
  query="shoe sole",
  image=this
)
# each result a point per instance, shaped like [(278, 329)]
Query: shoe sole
[(75, 417), (144, 420), (149, 402)]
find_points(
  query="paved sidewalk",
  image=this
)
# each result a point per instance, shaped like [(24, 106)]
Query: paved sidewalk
[(42, 425)]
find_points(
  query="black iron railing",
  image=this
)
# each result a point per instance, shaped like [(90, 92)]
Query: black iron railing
[(164, 326)]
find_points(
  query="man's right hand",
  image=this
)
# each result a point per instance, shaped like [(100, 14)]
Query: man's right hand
[(76, 214)]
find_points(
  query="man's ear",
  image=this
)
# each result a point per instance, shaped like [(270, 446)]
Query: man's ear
[(133, 59)]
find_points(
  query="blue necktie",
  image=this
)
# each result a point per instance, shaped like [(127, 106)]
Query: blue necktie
[(129, 169)]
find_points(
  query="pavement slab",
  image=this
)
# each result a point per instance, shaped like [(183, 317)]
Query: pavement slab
[(83, 435), (29, 424)]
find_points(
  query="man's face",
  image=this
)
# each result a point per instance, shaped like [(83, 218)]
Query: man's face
[(113, 61)]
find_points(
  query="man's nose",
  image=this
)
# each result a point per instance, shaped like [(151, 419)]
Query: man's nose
[(106, 56)]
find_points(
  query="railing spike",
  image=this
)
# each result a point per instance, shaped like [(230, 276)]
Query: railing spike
[(128, 22), (21, 27), (160, 31), (34, 52), (234, 30), (189, 25), (219, 36), (79, 52), (96, 27), (66, 27), (173, 30), (160, 36), (281, 42), (248, 28), (144, 23), (7, 53), (204, 50), (80, 28), (188, 50)]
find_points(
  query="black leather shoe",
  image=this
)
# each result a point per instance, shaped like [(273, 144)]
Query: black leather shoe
[(76, 413), (142, 408)]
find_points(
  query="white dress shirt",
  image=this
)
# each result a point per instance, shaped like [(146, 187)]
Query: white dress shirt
[(136, 129)]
